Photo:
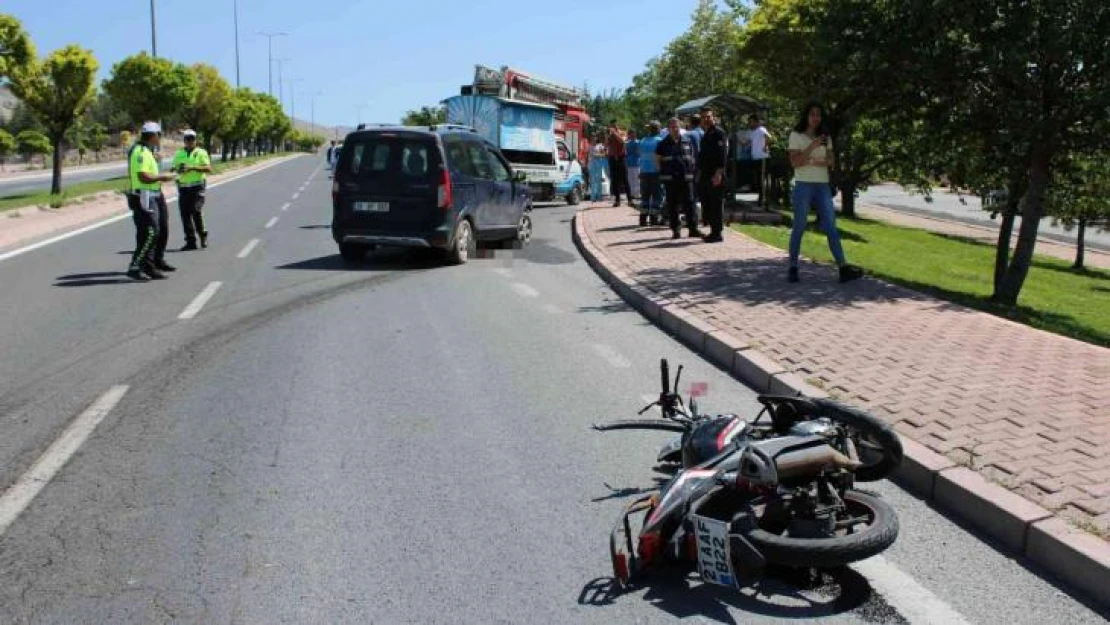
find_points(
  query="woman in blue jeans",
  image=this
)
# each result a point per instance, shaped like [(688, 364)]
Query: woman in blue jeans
[(811, 155)]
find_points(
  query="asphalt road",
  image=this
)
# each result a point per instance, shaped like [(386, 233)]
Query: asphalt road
[(399, 442), (947, 205)]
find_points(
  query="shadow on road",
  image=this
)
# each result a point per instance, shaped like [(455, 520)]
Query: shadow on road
[(783, 593), (101, 278), (316, 227), (396, 260)]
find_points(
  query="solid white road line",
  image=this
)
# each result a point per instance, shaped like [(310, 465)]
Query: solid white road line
[(270, 224), (913, 601), (109, 220), (611, 356), (285, 206), (200, 300), (248, 248), (16, 499), (524, 290)]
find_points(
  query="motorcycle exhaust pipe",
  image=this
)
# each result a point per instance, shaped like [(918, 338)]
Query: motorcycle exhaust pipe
[(810, 461)]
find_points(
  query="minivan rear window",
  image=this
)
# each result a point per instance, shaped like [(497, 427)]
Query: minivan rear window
[(415, 159)]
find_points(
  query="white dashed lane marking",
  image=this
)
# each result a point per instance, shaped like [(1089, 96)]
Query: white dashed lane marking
[(270, 224), (247, 248), (200, 300)]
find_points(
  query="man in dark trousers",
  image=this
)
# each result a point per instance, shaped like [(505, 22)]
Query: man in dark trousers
[(192, 165), (148, 206), (674, 157), (618, 167), (712, 159)]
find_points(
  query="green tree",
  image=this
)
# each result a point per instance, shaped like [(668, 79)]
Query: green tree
[(23, 118), (425, 116), (7, 146), (58, 90), (208, 108), (77, 138), (97, 138), (32, 143), (1025, 81), (151, 88), (107, 113), (16, 49), (243, 123), (1080, 197)]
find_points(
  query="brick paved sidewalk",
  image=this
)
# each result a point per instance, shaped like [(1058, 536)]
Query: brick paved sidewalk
[(1026, 409)]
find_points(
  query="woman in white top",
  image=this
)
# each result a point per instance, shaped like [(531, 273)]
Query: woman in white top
[(811, 155)]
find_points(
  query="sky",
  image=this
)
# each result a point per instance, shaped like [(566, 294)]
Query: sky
[(371, 60)]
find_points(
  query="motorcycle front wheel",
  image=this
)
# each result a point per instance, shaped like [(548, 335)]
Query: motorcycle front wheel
[(867, 527)]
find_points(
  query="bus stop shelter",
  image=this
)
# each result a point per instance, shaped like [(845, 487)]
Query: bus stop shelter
[(732, 110)]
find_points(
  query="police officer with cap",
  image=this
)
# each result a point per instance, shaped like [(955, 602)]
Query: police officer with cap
[(148, 206), (192, 165), (675, 159)]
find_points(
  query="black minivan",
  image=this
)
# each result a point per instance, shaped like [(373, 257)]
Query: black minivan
[(440, 187)]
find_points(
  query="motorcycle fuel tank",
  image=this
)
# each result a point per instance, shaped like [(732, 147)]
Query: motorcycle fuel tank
[(710, 437)]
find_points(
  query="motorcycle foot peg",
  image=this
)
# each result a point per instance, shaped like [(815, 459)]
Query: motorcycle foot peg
[(748, 562)]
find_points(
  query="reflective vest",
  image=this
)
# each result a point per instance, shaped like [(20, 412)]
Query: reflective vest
[(198, 158), (677, 159), (142, 159)]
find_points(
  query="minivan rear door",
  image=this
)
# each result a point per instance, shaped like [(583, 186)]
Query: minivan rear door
[(389, 181)]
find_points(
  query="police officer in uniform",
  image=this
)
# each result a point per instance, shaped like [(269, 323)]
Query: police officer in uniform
[(712, 159), (192, 165), (148, 206), (674, 157)]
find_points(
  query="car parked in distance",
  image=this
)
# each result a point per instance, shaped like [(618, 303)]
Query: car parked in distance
[(441, 187)]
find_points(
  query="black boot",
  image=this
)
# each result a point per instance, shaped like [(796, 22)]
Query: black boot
[(792, 275), (850, 272), (164, 266)]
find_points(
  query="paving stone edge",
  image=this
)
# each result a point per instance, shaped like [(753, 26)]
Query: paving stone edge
[(1019, 525)]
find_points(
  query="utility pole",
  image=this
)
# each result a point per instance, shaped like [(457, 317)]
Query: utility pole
[(270, 56), (281, 87), (153, 36), (293, 98), (235, 8)]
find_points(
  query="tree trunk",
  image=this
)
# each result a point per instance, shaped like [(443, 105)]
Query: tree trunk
[(1080, 243), (1032, 209), (1002, 249), (56, 180), (848, 198)]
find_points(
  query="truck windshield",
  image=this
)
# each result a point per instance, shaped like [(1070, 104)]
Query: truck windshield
[(522, 157)]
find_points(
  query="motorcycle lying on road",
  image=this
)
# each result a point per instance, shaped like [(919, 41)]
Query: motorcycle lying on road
[(748, 494)]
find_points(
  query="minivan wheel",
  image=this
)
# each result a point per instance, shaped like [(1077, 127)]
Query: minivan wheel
[(353, 252), (575, 195), (465, 244)]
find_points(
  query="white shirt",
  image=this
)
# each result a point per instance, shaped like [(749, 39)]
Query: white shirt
[(759, 143)]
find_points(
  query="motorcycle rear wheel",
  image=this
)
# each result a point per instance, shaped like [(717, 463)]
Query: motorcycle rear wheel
[(834, 551), (876, 442)]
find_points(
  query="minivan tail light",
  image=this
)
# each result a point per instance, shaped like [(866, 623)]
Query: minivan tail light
[(445, 198)]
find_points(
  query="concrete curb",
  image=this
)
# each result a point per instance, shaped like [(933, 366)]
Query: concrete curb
[(1076, 557)]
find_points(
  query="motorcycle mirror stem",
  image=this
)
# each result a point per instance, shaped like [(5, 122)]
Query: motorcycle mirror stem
[(665, 372)]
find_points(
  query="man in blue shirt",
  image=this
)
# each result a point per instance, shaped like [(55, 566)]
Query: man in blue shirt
[(649, 171), (632, 148)]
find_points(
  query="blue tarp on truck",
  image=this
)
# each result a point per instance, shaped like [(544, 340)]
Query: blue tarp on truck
[(508, 124)]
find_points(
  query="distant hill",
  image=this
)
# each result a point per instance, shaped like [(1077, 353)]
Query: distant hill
[(328, 132)]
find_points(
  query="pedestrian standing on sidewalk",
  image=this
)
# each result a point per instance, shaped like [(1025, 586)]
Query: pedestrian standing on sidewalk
[(710, 172), (675, 159), (192, 165), (148, 206), (650, 193), (598, 166), (759, 139), (618, 166), (632, 151), (811, 155)]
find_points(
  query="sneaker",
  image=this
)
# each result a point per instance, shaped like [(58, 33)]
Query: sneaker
[(188, 247), (154, 273), (135, 274), (713, 237), (850, 272), (164, 266), (792, 276)]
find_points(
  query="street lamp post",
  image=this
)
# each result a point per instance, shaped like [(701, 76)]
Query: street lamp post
[(235, 8), (281, 87), (270, 56), (293, 98), (153, 36)]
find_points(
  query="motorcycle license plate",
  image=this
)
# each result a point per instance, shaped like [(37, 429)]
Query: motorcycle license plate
[(714, 563)]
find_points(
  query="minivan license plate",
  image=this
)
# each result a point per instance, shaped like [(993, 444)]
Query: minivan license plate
[(372, 207)]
